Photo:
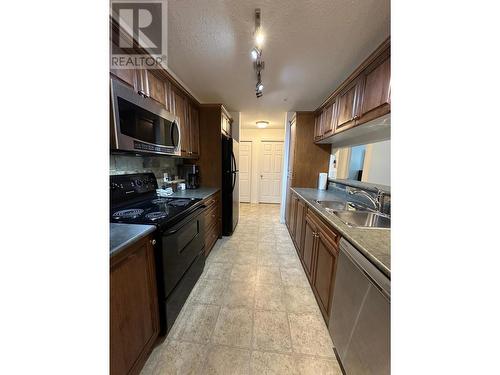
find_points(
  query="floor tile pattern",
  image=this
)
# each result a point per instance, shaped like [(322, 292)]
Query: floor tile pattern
[(251, 312)]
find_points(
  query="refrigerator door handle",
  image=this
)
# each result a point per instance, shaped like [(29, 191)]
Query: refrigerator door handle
[(233, 162)]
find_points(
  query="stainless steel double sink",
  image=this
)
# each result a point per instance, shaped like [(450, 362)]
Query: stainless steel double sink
[(356, 215)]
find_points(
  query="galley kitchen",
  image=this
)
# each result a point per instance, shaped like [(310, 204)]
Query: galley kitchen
[(250, 199)]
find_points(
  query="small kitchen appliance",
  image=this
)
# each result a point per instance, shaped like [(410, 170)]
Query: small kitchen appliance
[(191, 174)]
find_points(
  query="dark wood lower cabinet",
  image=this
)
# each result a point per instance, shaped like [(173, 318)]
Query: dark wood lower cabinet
[(317, 246), (134, 321), (299, 224), (309, 245), (213, 222), (293, 211), (324, 271)]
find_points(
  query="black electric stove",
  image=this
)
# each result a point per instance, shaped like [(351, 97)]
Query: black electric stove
[(134, 201), (180, 245)]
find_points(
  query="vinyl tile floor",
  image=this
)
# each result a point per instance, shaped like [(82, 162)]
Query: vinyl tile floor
[(251, 312)]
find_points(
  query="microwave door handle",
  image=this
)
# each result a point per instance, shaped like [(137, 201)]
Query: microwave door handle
[(172, 134)]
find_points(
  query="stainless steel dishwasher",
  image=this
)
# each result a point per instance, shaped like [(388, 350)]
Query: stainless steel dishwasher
[(361, 314)]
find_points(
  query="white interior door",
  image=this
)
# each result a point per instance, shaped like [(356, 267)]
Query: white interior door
[(245, 171), (271, 164)]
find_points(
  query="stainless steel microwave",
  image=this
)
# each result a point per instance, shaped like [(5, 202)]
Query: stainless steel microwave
[(142, 125)]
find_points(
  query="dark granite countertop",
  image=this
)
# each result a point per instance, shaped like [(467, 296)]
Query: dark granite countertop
[(375, 244), (202, 193), (123, 235)]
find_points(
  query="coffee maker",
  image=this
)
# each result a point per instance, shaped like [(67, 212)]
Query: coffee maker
[(190, 173)]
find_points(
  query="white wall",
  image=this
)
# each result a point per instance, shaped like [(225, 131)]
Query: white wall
[(256, 136), (378, 163)]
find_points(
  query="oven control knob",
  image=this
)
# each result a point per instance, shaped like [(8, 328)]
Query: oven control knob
[(138, 182)]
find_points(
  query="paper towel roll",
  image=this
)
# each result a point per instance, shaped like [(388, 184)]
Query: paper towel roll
[(322, 181)]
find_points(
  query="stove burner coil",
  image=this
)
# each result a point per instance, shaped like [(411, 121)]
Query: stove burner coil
[(179, 202), (156, 215), (160, 200), (128, 214)]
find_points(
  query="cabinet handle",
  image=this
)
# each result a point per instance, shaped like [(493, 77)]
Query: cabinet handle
[(153, 242)]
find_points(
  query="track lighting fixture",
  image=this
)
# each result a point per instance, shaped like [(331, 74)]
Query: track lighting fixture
[(256, 54)]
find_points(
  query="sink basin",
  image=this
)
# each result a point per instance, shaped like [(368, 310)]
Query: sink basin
[(342, 206), (363, 219), (334, 205)]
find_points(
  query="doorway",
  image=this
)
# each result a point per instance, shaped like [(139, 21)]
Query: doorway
[(271, 164), (245, 171)]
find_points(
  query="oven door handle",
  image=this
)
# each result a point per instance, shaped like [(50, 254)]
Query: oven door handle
[(184, 221)]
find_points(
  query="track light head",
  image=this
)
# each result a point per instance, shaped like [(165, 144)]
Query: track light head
[(255, 53)]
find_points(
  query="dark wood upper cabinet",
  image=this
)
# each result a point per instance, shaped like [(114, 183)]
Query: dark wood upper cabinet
[(194, 130), (128, 76), (318, 131), (364, 96), (226, 124), (348, 101), (329, 117), (134, 321), (156, 88), (376, 98), (180, 110)]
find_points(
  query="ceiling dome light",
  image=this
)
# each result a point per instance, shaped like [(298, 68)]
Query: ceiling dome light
[(262, 124)]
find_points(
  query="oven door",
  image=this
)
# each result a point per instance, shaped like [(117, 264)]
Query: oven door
[(142, 125)]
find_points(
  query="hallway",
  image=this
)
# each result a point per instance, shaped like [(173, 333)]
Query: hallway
[(251, 312)]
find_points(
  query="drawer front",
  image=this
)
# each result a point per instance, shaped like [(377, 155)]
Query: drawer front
[(327, 231), (210, 216), (211, 236)]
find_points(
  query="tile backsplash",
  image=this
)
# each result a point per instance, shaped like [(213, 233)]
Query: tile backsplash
[(124, 164)]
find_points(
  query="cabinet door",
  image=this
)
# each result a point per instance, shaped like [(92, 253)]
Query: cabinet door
[(180, 111), (324, 275), (134, 323), (348, 106), (156, 88), (299, 224), (293, 212), (318, 131), (328, 115), (309, 245), (127, 76), (288, 207), (376, 90), (194, 130)]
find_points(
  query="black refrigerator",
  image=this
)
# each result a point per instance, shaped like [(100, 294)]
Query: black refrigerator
[(230, 185)]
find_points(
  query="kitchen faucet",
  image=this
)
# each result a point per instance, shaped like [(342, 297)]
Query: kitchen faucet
[(375, 201)]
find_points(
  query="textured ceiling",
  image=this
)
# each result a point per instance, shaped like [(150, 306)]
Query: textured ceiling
[(310, 47)]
